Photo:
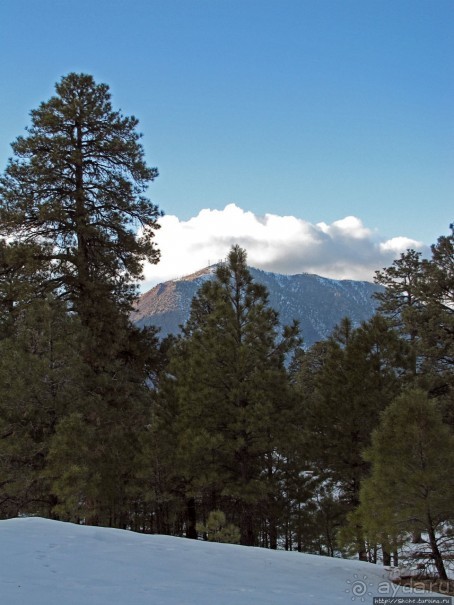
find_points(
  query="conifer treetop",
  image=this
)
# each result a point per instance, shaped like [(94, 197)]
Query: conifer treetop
[(77, 182)]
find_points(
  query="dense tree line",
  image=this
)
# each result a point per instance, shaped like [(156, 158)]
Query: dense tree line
[(232, 431)]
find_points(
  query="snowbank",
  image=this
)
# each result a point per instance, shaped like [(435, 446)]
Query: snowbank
[(45, 562)]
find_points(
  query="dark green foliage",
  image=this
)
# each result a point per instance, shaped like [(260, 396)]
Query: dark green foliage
[(419, 299), (22, 280), (76, 183), (94, 453), (71, 201), (233, 408), (359, 377), (402, 287), (40, 378), (350, 380), (217, 529), (411, 487), (436, 317)]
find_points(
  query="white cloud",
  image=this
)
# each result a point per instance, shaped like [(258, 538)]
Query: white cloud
[(397, 244), (346, 249)]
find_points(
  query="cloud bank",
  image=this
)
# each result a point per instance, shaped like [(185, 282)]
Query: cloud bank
[(345, 249)]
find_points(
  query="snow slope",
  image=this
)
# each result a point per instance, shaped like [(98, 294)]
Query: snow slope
[(46, 562)]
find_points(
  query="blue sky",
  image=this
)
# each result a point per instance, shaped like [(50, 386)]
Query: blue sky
[(318, 110)]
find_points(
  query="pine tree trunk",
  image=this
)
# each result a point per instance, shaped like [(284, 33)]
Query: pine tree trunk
[(273, 534), (395, 558), (386, 557), (362, 553), (287, 536), (438, 559), (191, 519), (247, 526)]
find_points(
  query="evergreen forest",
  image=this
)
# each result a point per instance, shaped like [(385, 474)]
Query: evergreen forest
[(233, 431)]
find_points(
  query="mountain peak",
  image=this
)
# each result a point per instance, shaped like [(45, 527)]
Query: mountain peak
[(318, 303), (206, 272)]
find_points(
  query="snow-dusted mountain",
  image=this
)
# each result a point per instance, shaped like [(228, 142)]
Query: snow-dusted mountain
[(316, 302)]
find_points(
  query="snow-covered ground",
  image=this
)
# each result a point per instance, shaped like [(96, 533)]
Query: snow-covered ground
[(46, 562)]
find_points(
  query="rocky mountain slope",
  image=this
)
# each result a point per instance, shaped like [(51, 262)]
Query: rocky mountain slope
[(317, 302)]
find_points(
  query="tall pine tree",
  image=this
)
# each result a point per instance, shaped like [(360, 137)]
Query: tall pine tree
[(419, 299), (357, 375), (230, 384), (411, 487), (73, 200)]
